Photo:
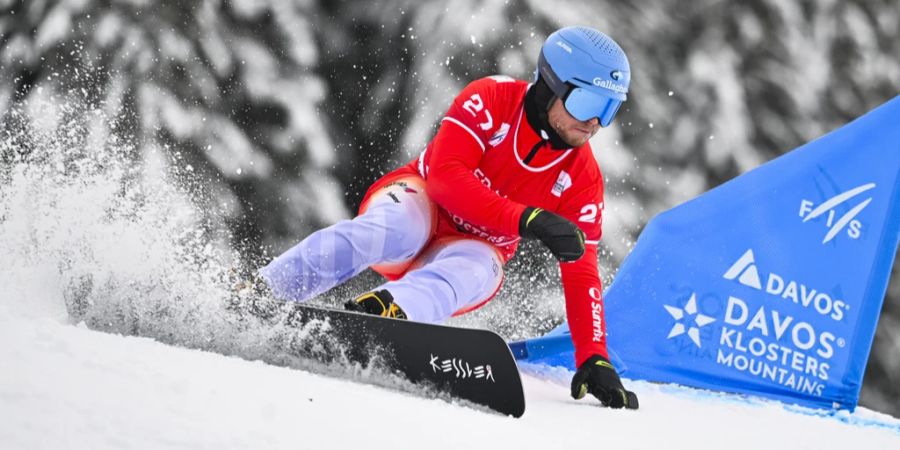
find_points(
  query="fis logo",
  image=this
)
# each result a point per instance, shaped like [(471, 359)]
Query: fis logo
[(828, 209), (688, 320)]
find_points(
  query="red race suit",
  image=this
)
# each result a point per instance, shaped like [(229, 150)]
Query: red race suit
[(475, 170)]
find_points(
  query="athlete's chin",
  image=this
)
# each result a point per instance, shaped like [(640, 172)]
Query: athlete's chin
[(577, 139)]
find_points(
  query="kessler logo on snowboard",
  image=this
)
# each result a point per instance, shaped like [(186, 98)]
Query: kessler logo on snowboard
[(468, 364), (461, 369)]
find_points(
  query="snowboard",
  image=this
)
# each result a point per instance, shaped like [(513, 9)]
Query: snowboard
[(469, 364)]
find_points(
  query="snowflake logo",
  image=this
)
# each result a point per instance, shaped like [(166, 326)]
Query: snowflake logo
[(684, 316)]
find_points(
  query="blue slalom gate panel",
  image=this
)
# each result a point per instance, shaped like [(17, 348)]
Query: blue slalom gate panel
[(770, 284)]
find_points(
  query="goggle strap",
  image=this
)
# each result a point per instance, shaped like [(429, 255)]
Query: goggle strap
[(559, 87)]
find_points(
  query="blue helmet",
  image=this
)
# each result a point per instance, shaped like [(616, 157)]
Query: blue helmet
[(587, 70)]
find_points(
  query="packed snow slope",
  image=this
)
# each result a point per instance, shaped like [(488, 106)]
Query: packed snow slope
[(66, 386)]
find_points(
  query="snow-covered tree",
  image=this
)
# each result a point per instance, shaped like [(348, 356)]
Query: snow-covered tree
[(228, 88)]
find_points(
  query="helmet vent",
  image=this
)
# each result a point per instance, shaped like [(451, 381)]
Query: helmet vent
[(601, 42)]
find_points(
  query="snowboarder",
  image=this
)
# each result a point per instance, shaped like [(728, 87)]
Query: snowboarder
[(510, 161)]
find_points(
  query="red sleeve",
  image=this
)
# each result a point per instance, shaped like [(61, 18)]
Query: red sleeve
[(581, 279), (455, 153), (584, 305)]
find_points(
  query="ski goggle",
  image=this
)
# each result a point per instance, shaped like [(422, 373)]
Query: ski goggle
[(584, 105)]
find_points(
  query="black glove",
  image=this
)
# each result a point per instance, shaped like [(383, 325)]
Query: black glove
[(599, 377), (564, 239)]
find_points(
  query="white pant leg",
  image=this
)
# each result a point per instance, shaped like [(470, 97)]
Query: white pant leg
[(394, 228), (451, 277)]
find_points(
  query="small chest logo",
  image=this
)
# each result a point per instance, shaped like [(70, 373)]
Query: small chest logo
[(500, 135), (562, 183)]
